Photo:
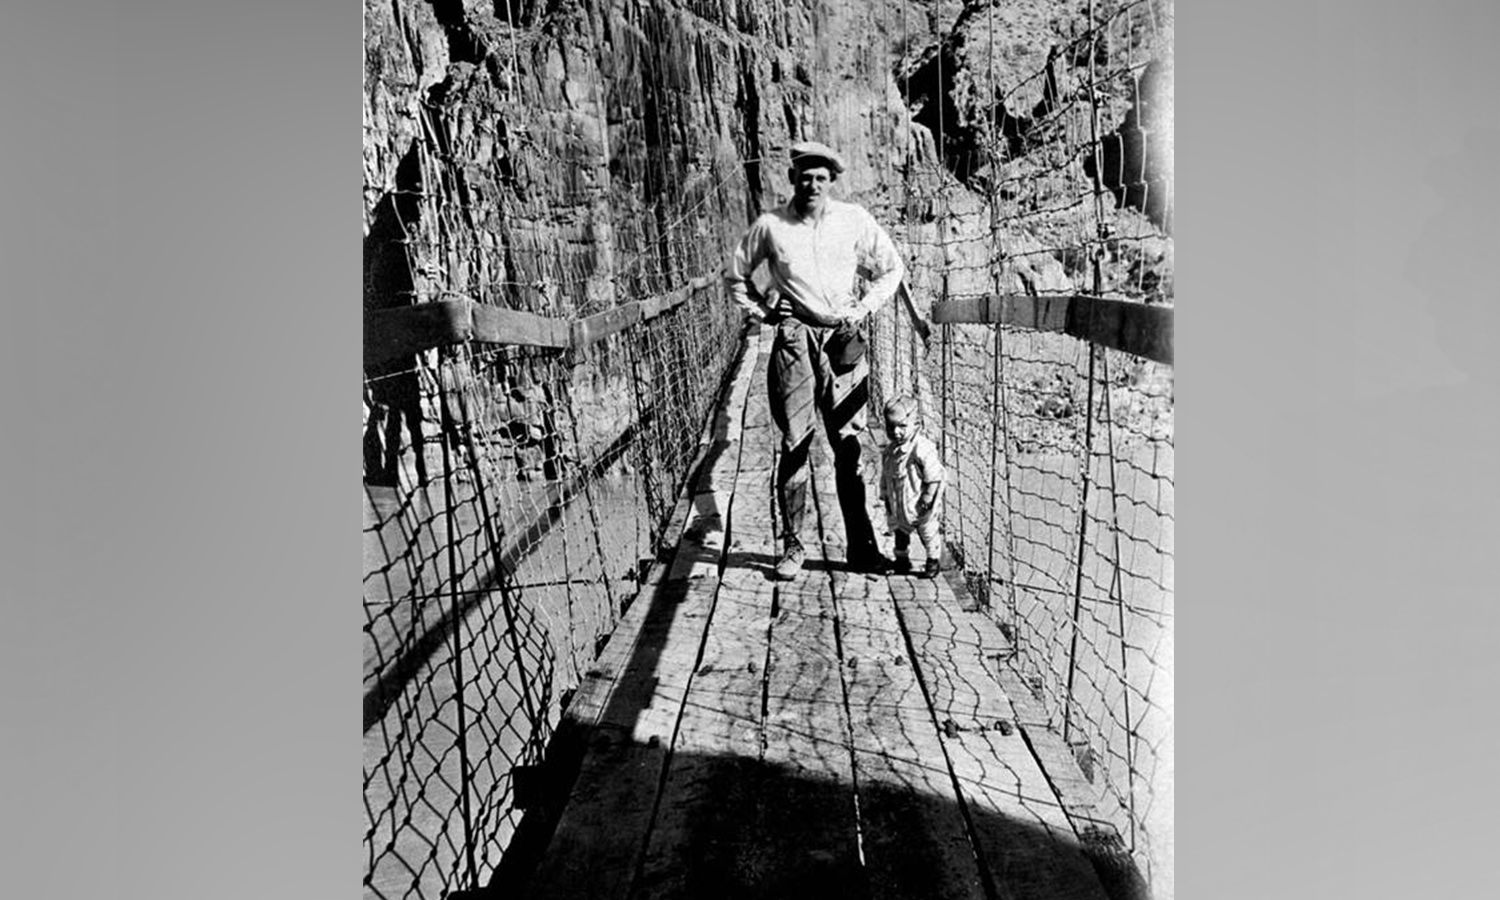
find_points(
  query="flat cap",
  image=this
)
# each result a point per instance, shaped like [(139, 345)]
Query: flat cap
[(811, 153)]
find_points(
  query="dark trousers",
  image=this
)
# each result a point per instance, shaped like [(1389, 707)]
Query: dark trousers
[(804, 389)]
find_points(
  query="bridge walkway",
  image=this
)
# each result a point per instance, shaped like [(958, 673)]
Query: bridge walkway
[(839, 735)]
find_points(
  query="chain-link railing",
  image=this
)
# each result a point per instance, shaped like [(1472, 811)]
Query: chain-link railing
[(1036, 216), (491, 581), (534, 396), (519, 469)]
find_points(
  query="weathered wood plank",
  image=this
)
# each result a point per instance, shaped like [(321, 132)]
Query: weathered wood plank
[(702, 545), (1132, 327), (963, 647), (762, 808), (610, 809), (590, 330), (1018, 829), (805, 814), (599, 682), (700, 845), (696, 847), (1025, 840), (391, 334), (802, 820), (703, 541), (1077, 796), (614, 796), (913, 835), (1021, 830), (727, 429), (1100, 841), (915, 842), (497, 325), (739, 395), (1036, 313), (652, 307), (1135, 328), (694, 576), (596, 846)]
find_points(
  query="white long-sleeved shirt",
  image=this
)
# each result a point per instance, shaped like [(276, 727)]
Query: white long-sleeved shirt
[(814, 263)]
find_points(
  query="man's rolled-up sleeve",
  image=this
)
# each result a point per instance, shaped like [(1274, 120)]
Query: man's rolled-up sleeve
[(881, 263), (747, 255)]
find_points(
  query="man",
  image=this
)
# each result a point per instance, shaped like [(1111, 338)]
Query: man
[(816, 249)]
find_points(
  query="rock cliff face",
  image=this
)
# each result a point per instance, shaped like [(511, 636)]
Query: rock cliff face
[(565, 157), (577, 136), (589, 151)]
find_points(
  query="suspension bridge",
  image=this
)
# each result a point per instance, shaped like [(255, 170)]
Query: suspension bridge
[(579, 679)]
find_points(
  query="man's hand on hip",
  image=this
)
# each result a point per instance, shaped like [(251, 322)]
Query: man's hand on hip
[(778, 305)]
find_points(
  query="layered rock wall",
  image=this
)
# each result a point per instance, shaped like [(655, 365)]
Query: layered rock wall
[(581, 153)]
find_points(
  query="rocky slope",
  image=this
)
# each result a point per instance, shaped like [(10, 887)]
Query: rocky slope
[(580, 137)]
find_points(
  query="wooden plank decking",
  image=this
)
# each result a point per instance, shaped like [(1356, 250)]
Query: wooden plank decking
[(838, 736)]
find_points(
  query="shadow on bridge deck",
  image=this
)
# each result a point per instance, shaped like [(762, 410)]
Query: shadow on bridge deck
[(836, 736)]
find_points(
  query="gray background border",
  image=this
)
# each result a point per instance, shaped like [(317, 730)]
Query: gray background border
[(180, 362)]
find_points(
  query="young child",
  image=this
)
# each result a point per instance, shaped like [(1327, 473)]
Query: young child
[(911, 482)]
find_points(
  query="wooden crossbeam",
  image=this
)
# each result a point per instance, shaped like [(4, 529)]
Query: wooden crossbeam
[(1132, 327), (496, 325), (391, 334), (407, 330)]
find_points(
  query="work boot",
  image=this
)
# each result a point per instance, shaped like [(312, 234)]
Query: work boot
[(931, 569), (791, 560), (902, 565)]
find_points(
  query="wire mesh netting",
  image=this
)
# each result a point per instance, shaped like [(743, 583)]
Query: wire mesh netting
[(1059, 506), (492, 578), (515, 494)]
